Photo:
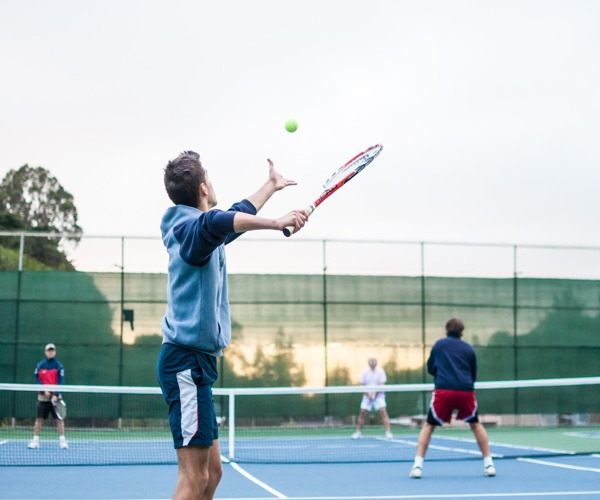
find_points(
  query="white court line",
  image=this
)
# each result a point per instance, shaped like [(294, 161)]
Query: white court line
[(256, 481), (438, 447), (554, 464), (515, 446), (456, 495)]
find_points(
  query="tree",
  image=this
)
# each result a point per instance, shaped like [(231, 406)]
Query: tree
[(31, 199)]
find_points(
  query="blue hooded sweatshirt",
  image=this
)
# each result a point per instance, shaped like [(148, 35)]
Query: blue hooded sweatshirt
[(197, 314), (453, 364)]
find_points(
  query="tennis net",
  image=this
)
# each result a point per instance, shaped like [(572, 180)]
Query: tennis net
[(129, 425)]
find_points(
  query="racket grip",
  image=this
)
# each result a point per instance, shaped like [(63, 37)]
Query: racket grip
[(288, 231)]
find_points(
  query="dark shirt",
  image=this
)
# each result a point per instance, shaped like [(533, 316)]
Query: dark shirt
[(453, 364), (49, 371)]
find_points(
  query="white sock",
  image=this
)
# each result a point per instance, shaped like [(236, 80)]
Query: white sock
[(418, 462), (487, 461), (36, 439), (62, 439)]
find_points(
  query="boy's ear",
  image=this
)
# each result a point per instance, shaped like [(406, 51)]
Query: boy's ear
[(203, 189)]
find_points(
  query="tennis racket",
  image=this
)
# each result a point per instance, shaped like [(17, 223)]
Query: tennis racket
[(340, 177), (60, 408)]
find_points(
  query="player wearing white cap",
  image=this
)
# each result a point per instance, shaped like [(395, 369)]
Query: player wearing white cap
[(48, 371)]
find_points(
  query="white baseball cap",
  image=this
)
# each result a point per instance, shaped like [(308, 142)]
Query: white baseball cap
[(49, 346)]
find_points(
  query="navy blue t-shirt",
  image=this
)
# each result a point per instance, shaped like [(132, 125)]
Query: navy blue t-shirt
[(453, 364)]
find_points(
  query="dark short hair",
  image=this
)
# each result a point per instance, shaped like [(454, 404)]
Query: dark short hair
[(183, 177), (454, 327)]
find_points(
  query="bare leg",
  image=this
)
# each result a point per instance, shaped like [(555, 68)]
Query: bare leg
[(385, 419), (215, 471), (481, 437), (193, 473), (60, 426), (422, 445), (37, 428), (424, 438), (361, 420), (484, 446)]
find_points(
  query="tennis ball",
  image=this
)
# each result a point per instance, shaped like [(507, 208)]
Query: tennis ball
[(291, 125)]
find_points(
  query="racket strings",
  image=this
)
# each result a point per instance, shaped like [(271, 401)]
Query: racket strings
[(355, 165)]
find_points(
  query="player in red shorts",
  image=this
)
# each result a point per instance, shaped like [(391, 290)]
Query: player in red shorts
[(453, 364)]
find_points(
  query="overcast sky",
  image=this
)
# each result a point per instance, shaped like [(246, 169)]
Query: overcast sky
[(489, 111)]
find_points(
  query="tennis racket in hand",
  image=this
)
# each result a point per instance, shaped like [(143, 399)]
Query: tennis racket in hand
[(60, 408), (340, 177)]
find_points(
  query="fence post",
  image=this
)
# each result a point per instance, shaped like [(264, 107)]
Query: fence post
[(18, 307), (231, 417), (325, 324), (122, 304)]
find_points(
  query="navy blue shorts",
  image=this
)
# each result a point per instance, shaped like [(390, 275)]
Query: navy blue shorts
[(186, 377)]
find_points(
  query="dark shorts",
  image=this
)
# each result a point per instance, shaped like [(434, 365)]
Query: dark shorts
[(44, 409), (186, 377), (444, 402)]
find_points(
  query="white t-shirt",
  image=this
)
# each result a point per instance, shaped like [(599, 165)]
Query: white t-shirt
[(373, 377)]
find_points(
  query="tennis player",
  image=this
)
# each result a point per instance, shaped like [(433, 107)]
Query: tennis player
[(453, 364), (373, 401), (197, 325), (49, 371)]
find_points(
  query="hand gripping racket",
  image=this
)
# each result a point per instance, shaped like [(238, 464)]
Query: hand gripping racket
[(340, 177)]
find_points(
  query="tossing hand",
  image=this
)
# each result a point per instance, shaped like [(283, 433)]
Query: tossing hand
[(278, 181)]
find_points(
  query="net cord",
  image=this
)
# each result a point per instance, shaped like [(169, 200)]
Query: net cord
[(351, 389)]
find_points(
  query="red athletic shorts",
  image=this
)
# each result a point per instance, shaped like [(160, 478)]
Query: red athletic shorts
[(445, 401)]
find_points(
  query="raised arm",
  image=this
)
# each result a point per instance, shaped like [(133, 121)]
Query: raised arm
[(276, 182)]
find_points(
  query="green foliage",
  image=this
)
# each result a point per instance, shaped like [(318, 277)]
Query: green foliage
[(277, 370), (9, 260), (35, 197), (33, 200), (340, 375)]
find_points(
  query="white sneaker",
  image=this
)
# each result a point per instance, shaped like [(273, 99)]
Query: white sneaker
[(389, 435), (33, 444), (416, 473), (357, 435), (63, 445), (489, 471)]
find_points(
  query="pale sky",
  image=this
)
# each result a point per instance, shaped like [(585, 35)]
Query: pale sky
[(489, 111)]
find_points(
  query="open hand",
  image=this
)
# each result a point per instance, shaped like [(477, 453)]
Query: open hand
[(279, 182)]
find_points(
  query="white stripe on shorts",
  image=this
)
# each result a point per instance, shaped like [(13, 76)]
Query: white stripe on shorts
[(188, 396)]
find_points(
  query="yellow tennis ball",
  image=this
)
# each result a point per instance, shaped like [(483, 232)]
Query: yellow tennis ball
[(291, 125)]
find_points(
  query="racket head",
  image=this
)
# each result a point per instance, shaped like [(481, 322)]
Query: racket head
[(341, 176), (60, 408), (352, 167)]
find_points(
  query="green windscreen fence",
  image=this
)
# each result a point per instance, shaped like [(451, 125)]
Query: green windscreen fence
[(302, 330)]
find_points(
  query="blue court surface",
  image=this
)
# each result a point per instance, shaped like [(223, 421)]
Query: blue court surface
[(553, 478)]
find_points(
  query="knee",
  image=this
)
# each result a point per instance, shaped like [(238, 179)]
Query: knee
[(216, 473), (199, 481)]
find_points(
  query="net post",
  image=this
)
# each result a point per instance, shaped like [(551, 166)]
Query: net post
[(231, 426)]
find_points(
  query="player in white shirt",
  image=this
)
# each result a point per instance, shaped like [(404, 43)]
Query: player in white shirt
[(373, 401)]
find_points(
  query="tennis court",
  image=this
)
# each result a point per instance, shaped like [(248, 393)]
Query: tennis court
[(556, 478), (538, 455)]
